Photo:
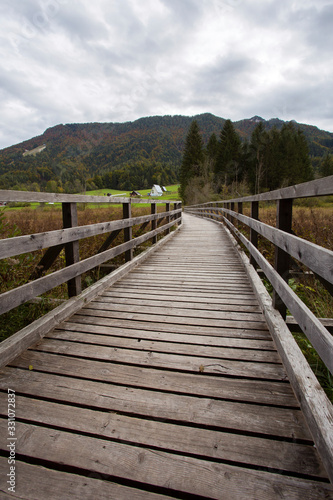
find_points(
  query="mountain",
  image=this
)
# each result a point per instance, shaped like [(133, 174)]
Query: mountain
[(86, 150)]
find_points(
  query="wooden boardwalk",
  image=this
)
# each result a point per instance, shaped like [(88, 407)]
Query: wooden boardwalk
[(168, 385)]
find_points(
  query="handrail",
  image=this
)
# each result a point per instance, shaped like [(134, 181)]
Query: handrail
[(69, 237), (317, 259)]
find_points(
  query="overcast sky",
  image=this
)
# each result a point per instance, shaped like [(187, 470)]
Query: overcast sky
[(77, 61)]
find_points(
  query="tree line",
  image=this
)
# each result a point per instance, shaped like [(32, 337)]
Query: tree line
[(269, 160)]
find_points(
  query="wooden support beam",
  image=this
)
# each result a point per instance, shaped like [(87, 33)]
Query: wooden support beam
[(46, 261), (110, 239), (282, 258), (127, 214), (153, 222), (253, 233), (69, 217), (167, 209)]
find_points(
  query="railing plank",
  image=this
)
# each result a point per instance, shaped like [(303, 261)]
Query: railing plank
[(315, 257), (24, 244), (318, 335), (18, 296)]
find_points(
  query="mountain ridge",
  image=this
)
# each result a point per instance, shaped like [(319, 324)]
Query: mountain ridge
[(96, 148)]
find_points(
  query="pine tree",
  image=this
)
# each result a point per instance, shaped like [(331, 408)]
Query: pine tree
[(192, 159), (326, 166), (229, 155)]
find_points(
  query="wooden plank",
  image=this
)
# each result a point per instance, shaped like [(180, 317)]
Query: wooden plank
[(319, 187), (89, 317), (109, 305), (188, 349), (320, 338), (55, 485), (94, 374), (315, 257), (237, 448), (18, 296), (223, 366), (17, 343), (138, 334), (230, 416), (203, 300), (121, 290), (32, 242), (186, 474), (176, 320), (29, 196)]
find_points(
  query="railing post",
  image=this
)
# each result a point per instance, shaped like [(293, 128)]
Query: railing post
[(153, 210), (72, 254), (282, 259), (232, 207), (240, 211), (127, 214), (167, 209), (253, 233)]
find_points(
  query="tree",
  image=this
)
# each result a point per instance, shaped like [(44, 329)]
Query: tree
[(227, 166), (192, 159), (326, 166)]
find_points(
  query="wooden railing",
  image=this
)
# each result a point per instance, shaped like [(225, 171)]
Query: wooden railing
[(314, 402), (318, 259), (69, 237)]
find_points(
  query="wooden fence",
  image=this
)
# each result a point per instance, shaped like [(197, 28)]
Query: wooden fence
[(69, 237)]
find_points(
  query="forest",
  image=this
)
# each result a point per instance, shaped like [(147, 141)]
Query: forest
[(271, 159), (135, 155)]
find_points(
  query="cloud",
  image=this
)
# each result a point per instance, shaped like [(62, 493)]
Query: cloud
[(63, 61)]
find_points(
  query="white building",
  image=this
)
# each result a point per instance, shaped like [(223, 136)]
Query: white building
[(156, 190)]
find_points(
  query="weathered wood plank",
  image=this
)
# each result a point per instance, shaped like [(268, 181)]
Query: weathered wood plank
[(279, 455), (315, 257), (179, 297), (318, 335), (188, 321), (87, 316), (29, 196), (94, 374), (18, 296), (32, 242), (223, 365), (191, 338), (59, 485), (109, 305), (168, 347), (160, 468)]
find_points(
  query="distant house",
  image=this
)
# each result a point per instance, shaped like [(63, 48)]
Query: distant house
[(163, 189), (134, 193), (156, 190)]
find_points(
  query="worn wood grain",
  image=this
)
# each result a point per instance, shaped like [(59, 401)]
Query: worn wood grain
[(186, 347), (96, 376), (60, 485), (161, 468), (222, 365), (175, 438)]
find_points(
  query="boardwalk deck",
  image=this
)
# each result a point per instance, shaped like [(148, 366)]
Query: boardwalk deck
[(168, 385)]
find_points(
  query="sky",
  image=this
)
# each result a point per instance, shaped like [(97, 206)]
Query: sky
[(79, 61)]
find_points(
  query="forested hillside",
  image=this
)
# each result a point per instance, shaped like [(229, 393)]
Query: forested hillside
[(130, 155)]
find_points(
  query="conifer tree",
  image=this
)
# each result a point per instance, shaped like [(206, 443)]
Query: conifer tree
[(229, 154), (192, 159), (326, 166)]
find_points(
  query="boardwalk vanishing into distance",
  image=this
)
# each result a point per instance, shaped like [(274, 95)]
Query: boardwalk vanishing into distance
[(167, 385)]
